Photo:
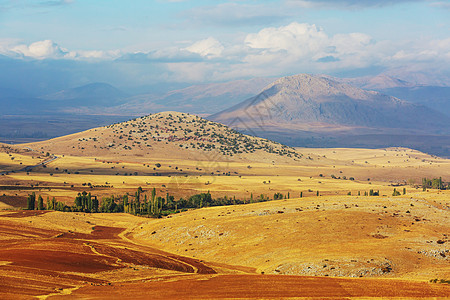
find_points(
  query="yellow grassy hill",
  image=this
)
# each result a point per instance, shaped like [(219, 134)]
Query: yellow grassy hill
[(346, 236), (168, 134)]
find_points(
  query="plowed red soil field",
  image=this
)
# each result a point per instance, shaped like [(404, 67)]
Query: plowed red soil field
[(263, 287), (104, 265)]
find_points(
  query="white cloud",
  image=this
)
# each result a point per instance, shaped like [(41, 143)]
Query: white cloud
[(307, 46), (209, 47), (271, 51), (48, 49), (41, 50), (296, 48), (294, 38), (96, 54), (435, 53)]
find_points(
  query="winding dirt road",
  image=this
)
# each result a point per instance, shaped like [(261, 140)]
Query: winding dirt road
[(29, 168), (105, 264)]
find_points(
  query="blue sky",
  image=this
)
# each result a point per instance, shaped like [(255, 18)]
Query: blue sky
[(144, 42)]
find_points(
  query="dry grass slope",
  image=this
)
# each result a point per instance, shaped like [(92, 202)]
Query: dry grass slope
[(345, 236), (178, 134), (334, 235)]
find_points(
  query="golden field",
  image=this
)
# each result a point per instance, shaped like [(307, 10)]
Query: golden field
[(340, 244)]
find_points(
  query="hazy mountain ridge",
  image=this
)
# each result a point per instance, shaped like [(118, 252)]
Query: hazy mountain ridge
[(378, 82), (307, 99), (198, 99), (435, 97), (19, 102), (327, 104), (319, 111), (93, 94), (434, 94)]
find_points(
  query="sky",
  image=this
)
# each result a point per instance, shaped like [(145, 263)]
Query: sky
[(52, 44)]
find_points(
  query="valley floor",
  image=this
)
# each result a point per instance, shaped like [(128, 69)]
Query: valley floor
[(338, 245), (231, 252)]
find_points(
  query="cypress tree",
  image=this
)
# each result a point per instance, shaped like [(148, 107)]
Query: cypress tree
[(40, 203), (145, 205), (91, 204), (95, 204), (31, 201), (138, 200), (78, 202), (149, 207), (126, 207), (49, 204), (153, 201)]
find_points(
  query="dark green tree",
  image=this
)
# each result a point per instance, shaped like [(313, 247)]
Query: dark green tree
[(31, 200), (49, 204), (40, 203)]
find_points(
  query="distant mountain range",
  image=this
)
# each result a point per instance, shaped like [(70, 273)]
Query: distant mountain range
[(435, 97), (322, 104), (432, 96), (201, 99), (90, 95), (321, 111), (16, 102), (102, 98), (300, 110), (205, 99)]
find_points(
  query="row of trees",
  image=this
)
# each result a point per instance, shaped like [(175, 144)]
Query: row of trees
[(39, 205), (435, 183), (141, 203), (149, 204)]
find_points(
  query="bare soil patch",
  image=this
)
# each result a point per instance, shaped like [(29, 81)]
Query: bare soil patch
[(263, 287)]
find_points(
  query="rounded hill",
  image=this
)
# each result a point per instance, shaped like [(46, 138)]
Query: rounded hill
[(168, 135)]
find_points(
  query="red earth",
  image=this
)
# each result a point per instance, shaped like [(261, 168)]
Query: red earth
[(102, 265), (263, 287)]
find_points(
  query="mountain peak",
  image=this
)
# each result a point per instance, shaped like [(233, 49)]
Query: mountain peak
[(92, 94), (304, 87), (303, 101)]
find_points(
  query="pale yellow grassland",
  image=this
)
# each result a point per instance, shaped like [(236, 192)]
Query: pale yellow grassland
[(332, 235), (18, 162)]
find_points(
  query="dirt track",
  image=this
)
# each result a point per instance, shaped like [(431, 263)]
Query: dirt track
[(32, 258), (103, 264)]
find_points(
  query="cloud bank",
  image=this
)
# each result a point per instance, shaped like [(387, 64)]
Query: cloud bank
[(48, 49), (271, 51), (301, 47)]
